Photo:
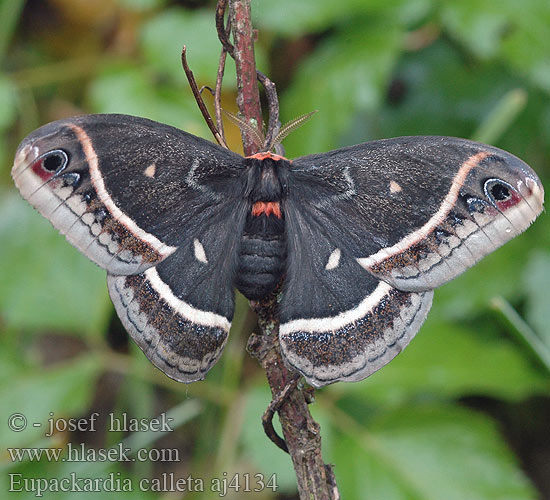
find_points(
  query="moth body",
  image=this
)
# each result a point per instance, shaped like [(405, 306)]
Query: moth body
[(262, 252)]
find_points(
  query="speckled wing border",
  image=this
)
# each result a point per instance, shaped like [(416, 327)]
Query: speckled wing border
[(179, 339), (355, 343)]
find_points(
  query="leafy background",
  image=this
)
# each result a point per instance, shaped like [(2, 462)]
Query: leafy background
[(463, 413)]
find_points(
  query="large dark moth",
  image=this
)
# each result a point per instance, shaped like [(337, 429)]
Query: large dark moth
[(360, 236)]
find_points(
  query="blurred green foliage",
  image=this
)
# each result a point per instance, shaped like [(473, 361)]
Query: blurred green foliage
[(462, 413)]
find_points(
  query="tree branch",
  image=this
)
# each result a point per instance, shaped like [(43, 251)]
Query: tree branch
[(248, 95), (302, 436)]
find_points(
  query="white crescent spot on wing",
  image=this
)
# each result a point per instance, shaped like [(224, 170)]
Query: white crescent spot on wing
[(200, 254), (395, 187), (150, 171), (333, 260)]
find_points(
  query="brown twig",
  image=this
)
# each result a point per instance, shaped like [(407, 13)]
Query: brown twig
[(301, 433), (248, 95), (269, 87), (273, 103), (199, 100), (267, 418), (223, 32), (218, 94), (223, 35)]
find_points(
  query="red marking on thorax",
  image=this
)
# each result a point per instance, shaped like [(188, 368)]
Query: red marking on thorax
[(267, 208), (267, 154)]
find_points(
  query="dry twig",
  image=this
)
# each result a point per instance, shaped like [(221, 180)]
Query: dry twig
[(198, 99)]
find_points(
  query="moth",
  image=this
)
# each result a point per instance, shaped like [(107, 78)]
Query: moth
[(360, 236)]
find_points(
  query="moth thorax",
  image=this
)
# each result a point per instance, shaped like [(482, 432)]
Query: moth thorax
[(267, 186)]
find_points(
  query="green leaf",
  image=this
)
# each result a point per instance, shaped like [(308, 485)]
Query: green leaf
[(346, 74), (10, 10), (8, 99), (439, 95), (478, 24), (360, 473), (46, 283), (122, 89), (501, 117), (449, 360), (535, 282), (523, 332), (500, 29), (289, 17), (527, 48), (164, 35), (40, 393), (129, 90), (429, 453)]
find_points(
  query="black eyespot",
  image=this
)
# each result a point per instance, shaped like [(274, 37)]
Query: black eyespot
[(500, 192), (55, 161), (497, 190)]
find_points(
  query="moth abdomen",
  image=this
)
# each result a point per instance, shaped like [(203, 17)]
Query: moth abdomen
[(261, 262)]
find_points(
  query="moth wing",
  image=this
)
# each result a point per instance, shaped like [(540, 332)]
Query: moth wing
[(417, 211), (125, 191), (373, 229), (338, 321), (179, 311)]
